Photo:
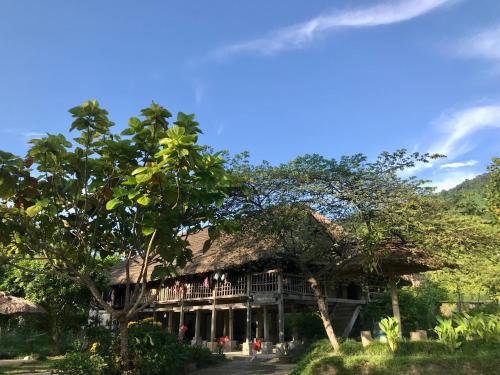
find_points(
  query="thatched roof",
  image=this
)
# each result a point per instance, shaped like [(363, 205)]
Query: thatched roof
[(10, 305), (230, 251), (392, 259), (224, 253)]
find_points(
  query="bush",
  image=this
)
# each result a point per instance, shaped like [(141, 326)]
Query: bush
[(308, 325), (16, 344), (81, 364), (154, 351), (203, 357), (419, 307), (479, 326), (351, 347)]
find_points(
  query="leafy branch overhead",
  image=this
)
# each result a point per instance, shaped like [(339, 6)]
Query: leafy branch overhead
[(137, 194)]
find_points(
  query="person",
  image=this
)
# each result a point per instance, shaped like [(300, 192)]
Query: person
[(182, 331), (255, 348)]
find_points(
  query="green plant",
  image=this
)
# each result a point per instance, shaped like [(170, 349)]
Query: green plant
[(201, 356), (448, 334), (154, 351), (480, 326), (81, 364), (390, 327)]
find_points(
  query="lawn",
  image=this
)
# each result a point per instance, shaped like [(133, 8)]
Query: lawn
[(42, 366), (426, 357)]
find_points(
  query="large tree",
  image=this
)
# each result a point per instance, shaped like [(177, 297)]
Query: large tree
[(371, 201), (138, 195)]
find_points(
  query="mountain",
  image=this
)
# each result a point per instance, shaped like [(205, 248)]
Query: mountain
[(469, 196)]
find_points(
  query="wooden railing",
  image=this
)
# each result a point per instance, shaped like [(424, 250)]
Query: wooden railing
[(260, 283)]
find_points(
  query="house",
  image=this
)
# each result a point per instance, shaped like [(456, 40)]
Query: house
[(245, 290)]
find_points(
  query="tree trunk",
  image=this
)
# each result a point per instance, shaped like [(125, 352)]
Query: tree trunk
[(323, 311), (55, 339), (124, 360), (395, 304)]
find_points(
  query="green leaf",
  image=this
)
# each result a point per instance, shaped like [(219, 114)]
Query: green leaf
[(159, 272), (175, 132), (113, 203), (33, 210), (147, 231), (144, 200), (139, 170)]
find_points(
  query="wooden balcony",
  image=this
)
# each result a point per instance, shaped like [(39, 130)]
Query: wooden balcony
[(257, 284)]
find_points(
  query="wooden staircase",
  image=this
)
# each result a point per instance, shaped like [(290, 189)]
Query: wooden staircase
[(344, 316)]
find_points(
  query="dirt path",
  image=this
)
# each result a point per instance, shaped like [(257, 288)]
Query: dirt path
[(242, 367)]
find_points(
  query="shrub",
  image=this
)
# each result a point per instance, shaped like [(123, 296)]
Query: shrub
[(308, 325), (203, 357), (448, 334), (351, 347), (81, 364), (154, 351), (390, 327)]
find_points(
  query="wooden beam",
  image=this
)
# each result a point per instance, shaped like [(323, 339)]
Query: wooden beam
[(170, 322), (231, 324), (354, 317), (249, 310), (197, 324), (281, 310), (266, 323), (213, 323)]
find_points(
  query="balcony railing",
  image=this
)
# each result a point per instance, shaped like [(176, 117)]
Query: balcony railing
[(260, 283)]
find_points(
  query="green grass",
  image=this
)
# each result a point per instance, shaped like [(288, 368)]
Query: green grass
[(414, 358), (44, 365)]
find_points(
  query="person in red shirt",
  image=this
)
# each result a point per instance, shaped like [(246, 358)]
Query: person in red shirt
[(255, 348)]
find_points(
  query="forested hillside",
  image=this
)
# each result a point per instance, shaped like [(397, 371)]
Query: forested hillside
[(478, 271)]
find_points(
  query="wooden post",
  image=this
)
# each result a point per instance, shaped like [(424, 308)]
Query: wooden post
[(395, 303), (214, 321), (281, 310), (247, 344), (295, 333), (197, 324), (170, 322), (266, 324), (225, 331), (231, 324), (181, 314)]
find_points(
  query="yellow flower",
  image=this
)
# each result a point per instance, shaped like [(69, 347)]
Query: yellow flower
[(93, 347)]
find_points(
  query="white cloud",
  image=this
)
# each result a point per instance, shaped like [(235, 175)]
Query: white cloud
[(220, 129), (459, 164), (301, 34), (485, 44), (457, 128), (199, 93), (451, 180)]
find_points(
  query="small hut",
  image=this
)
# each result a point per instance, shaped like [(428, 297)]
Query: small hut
[(10, 305)]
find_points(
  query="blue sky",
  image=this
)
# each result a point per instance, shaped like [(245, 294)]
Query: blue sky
[(275, 78)]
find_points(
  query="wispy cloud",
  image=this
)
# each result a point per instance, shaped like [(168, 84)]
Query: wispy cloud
[(457, 129), (302, 34), (220, 129), (459, 164), (199, 92), (484, 44)]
